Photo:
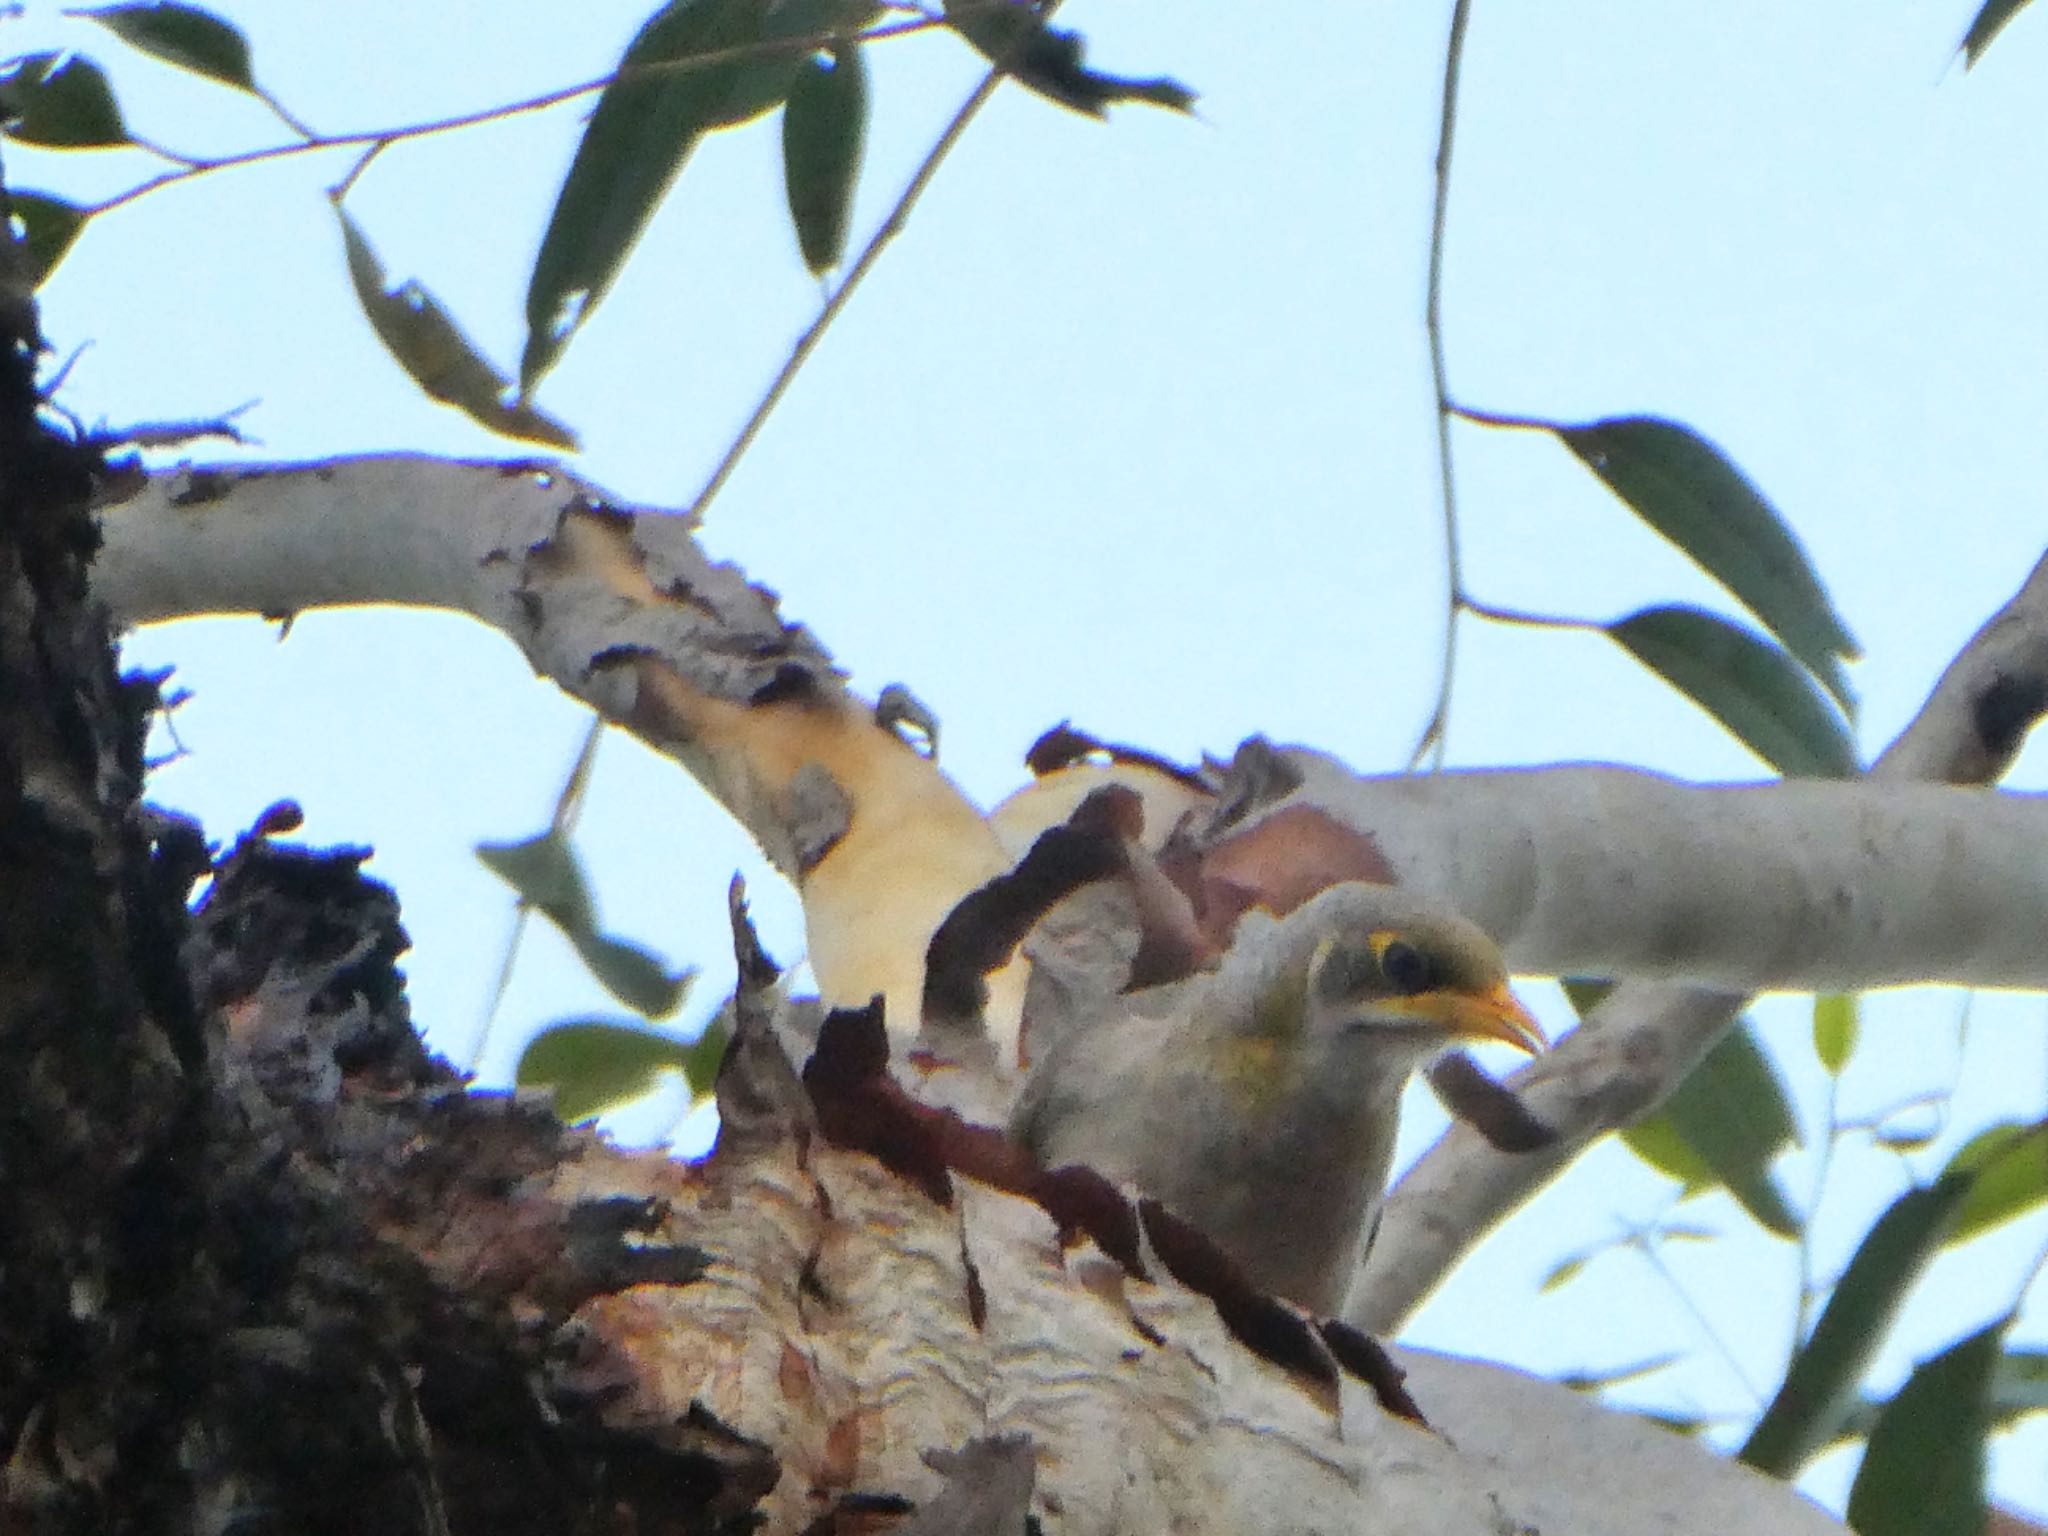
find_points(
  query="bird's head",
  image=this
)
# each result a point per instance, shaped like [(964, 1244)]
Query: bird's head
[(1386, 968)]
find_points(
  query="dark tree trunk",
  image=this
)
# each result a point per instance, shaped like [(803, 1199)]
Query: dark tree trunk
[(264, 1266)]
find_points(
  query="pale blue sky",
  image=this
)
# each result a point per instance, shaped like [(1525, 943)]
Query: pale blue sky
[(1134, 427)]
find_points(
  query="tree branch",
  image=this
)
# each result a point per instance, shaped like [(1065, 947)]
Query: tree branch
[(1634, 1049)]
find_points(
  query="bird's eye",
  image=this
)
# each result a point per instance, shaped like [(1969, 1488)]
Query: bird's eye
[(1406, 970)]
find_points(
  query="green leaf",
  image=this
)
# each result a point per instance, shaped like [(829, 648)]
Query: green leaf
[(1048, 60), (635, 976), (545, 872), (1923, 1474), (430, 346), (1835, 1028), (1585, 993), (1659, 1143), (1764, 698), (1989, 23), (61, 101), (593, 1066), (1733, 1116), (47, 226), (183, 35), (1686, 489), (824, 134), (659, 104), (1564, 1272), (1615, 1376), (1820, 1387), (2019, 1388), (1722, 1128), (2010, 1163)]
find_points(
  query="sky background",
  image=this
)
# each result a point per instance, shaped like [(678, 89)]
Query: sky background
[(1134, 427)]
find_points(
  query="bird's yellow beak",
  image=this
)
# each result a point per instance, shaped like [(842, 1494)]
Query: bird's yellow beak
[(1495, 1014)]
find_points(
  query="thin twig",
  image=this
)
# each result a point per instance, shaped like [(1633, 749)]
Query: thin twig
[(188, 168), (1646, 1246), (1431, 742), (568, 806), (890, 228)]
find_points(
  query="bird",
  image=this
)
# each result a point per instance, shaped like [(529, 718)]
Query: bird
[(1259, 1100)]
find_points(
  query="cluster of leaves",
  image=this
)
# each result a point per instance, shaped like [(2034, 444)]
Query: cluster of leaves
[(1782, 693), (1923, 1467), (695, 67)]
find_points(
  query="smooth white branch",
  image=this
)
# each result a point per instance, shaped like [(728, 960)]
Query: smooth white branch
[(1638, 1045), (1577, 869)]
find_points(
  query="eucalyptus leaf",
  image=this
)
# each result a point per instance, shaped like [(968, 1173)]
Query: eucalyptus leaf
[(432, 349), (2019, 1389), (2010, 1164), (824, 134), (1923, 1473), (1692, 493), (1835, 1029), (548, 877), (183, 35), (60, 101), (1763, 697), (695, 66), (1819, 1391), (1988, 23), (48, 226), (593, 1065), (1722, 1127), (1049, 60), (1734, 1114), (1615, 1376)]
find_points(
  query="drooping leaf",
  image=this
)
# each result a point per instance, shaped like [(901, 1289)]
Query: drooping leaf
[(1689, 491), (183, 35), (60, 101), (48, 226), (545, 872), (1989, 22), (660, 103), (1764, 698), (1564, 1272), (1820, 1386), (1923, 1474), (2020, 1386), (1048, 60), (2019, 1389), (1615, 1376), (431, 347), (547, 875), (1659, 1143), (1733, 1116), (2010, 1164), (1724, 1125), (824, 134), (635, 976), (593, 1065), (1835, 1028)]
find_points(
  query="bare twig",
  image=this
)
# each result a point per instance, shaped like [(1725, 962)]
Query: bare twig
[(1431, 742), (807, 343), (890, 228)]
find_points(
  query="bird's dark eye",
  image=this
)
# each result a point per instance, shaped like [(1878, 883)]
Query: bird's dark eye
[(1406, 970)]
